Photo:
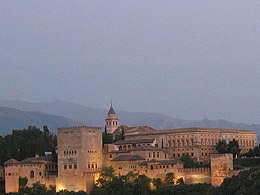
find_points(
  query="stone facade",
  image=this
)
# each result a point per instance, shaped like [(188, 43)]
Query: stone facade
[(221, 167), (199, 143), (80, 157), (145, 150), (35, 169)]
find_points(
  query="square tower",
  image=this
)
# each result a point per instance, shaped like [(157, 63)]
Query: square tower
[(221, 165), (79, 157)]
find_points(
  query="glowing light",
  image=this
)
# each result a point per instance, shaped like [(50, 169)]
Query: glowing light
[(59, 188)]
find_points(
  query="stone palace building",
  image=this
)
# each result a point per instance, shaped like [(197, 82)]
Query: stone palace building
[(145, 150)]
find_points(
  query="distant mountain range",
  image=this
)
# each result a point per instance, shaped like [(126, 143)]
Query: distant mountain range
[(11, 118), (60, 114)]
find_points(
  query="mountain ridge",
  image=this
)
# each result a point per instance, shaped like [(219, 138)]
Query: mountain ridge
[(95, 117), (11, 118)]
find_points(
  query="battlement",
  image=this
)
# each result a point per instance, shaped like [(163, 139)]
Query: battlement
[(77, 129), (194, 170)]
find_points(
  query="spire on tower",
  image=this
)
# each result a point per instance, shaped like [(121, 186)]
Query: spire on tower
[(112, 121)]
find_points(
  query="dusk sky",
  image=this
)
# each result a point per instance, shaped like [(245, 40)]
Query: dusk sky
[(186, 59)]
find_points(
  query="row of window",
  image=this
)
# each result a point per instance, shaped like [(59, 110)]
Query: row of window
[(70, 152), (129, 147), (11, 174), (70, 166), (35, 165), (93, 166), (180, 154), (114, 123), (92, 151), (151, 167), (154, 154)]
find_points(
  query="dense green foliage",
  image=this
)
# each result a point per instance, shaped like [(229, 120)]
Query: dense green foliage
[(26, 143), (189, 163), (109, 183), (253, 153), (2, 186), (246, 182), (107, 138), (246, 162), (40, 189), (184, 189), (232, 147), (23, 181)]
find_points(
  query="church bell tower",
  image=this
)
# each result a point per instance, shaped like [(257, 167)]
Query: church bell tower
[(112, 122)]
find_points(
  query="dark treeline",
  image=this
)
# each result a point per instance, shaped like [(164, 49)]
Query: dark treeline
[(26, 143)]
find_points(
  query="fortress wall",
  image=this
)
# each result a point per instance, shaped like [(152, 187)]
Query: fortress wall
[(194, 175)]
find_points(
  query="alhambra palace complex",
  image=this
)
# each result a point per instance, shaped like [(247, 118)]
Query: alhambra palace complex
[(144, 150)]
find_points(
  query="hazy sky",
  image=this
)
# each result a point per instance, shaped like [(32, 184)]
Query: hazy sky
[(187, 59)]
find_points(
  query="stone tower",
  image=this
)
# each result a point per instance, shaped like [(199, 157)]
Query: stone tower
[(221, 165), (112, 122), (79, 158)]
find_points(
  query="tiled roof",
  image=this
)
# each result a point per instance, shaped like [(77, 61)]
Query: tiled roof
[(12, 161), (159, 162), (192, 129), (128, 158), (134, 130), (38, 160), (111, 111), (146, 148), (134, 141)]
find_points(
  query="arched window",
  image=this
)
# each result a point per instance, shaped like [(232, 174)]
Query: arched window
[(32, 174), (151, 167)]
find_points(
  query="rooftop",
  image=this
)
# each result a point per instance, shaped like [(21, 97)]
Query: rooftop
[(149, 131), (111, 110), (128, 158), (12, 161), (134, 141), (159, 162), (147, 148)]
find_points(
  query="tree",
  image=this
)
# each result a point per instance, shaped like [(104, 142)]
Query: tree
[(23, 181), (142, 185), (26, 143), (188, 162), (233, 147), (157, 182), (107, 138), (221, 147), (108, 174), (169, 179)]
